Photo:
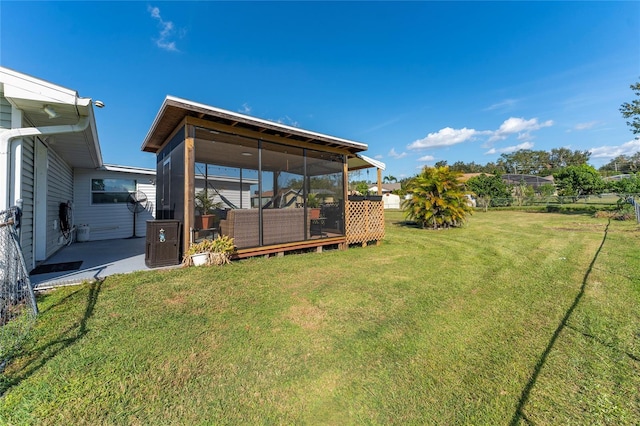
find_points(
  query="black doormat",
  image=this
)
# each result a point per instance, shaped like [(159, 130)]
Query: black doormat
[(56, 267)]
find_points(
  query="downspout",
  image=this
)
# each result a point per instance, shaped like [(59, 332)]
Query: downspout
[(6, 139)]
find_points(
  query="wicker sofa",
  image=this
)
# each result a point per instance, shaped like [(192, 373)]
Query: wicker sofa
[(279, 226)]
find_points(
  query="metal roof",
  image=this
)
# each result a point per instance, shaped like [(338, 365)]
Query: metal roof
[(174, 110)]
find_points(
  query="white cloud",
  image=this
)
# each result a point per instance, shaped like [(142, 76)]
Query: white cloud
[(444, 137), (427, 158), (246, 108), (507, 104), (394, 154), (521, 126), (382, 125), (287, 121), (378, 157), (585, 126), (606, 151), (509, 149), (167, 31)]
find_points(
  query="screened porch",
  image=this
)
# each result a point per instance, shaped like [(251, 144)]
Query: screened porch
[(272, 188)]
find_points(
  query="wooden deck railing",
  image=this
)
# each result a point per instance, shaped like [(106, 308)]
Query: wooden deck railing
[(364, 222)]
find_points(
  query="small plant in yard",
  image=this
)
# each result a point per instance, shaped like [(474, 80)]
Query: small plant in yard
[(437, 199), (218, 250)]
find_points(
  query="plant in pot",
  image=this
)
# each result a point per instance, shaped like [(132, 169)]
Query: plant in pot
[(205, 206), (313, 203), (210, 252)]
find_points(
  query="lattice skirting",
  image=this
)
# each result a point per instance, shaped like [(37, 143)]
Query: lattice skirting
[(365, 221)]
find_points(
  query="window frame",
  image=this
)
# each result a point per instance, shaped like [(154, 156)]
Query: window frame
[(121, 196)]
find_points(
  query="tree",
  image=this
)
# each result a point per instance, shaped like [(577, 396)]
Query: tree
[(625, 186), (578, 181), (438, 199), (623, 164), (389, 179), (546, 190), (362, 187), (564, 157), (632, 110), (487, 188), (525, 161)]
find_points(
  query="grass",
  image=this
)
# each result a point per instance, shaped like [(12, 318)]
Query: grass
[(517, 318)]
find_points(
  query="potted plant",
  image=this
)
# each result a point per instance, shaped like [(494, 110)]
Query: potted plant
[(206, 252), (197, 254), (314, 205), (205, 205)]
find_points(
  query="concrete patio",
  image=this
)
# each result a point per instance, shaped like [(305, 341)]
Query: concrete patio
[(99, 260)]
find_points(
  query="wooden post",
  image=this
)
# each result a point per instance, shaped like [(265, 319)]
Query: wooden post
[(189, 186), (345, 197), (379, 181)]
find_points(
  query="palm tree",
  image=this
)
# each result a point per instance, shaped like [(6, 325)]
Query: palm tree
[(438, 199)]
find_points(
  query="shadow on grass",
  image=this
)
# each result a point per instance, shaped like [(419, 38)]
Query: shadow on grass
[(407, 224), (526, 392), (603, 343), (39, 356), (60, 302)]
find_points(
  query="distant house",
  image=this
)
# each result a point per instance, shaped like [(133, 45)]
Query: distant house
[(51, 167), (534, 181), (616, 178), (385, 188)]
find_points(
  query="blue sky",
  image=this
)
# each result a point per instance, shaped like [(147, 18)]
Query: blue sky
[(419, 82)]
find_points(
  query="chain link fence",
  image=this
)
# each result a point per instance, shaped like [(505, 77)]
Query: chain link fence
[(601, 201), (18, 308)]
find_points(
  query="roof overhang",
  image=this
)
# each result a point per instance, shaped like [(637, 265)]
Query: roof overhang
[(359, 161), (31, 95), (175, 110), (129, 169)]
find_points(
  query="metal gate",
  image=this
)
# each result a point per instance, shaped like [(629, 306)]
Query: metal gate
[(18, 308)]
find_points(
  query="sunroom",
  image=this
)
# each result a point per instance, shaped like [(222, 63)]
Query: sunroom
[(271, 187)]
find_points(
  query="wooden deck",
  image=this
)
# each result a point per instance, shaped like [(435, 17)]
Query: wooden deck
[(364, 225), (281, 249)]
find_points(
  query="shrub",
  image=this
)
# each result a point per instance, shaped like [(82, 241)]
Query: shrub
[(218, 249)]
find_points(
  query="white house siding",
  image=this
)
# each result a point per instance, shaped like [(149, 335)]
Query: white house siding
[(232, 191), (28, 191), (5, 112), (59, 190), (26, 229), (110, 221)]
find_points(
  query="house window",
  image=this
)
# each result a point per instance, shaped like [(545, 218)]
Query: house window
[(110, 191)]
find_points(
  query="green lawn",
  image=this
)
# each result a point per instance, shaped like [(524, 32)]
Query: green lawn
[(517, 318)]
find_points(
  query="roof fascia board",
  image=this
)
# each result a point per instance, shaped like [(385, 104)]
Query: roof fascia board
[(374, 163), (95, 147), (22, 86), (128, 169), (154, 125)]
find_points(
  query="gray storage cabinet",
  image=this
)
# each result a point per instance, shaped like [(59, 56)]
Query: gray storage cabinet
[(163, 243)]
